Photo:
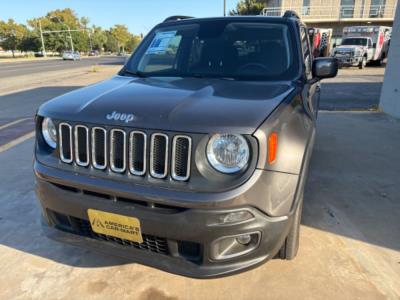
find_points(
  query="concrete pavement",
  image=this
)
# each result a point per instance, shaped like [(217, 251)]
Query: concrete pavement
[(350, 242)]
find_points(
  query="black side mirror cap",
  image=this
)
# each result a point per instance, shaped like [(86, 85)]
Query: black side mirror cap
[(325, 67)]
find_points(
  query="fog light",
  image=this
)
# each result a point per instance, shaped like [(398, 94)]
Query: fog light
[(244, 239), (228, 247), (236, 217)]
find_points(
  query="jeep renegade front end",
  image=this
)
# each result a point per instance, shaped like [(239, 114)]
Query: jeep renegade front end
[(192, 159)]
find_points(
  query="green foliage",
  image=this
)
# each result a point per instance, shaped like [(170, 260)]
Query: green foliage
[(59, 27), (11, 35), (121, 36), (247, 7), (133, 42), (111, 43), (98, 38)]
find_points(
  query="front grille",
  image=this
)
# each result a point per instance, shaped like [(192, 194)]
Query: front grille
[(150, 242), (190, 251), (126, 151), (82, 145), (118, 150), (180, 157), (99, 148), (159, 155), (65, 133), (137, 153)]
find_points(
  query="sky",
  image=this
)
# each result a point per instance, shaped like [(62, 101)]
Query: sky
[(139, 15)]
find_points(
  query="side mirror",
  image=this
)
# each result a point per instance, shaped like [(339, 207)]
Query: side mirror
[(374, 45), (334, 45), (324, 67)]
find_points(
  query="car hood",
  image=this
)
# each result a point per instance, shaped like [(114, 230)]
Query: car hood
[(177, 104)]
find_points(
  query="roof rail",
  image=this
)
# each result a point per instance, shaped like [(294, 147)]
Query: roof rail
[(291, 14), (176, 18)]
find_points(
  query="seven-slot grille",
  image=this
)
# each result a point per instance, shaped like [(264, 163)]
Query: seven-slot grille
[(122, 151)]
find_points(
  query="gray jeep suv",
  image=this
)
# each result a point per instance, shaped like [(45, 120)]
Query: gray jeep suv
[(193, 158)]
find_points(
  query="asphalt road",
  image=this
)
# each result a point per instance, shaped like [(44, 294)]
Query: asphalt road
[(352, 89), (10, 69)]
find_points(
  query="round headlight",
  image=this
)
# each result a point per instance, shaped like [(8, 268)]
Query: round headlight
[(228, 153), (49, 132)]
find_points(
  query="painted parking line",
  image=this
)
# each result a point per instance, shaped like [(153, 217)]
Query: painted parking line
[(13, 123), (15, 132), (17, 141)]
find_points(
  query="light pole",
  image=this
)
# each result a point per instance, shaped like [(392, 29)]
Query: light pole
[(41, 37), (69, 31), (224, 8)]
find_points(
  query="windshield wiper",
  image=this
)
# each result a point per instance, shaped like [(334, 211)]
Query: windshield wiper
[(135, 73)]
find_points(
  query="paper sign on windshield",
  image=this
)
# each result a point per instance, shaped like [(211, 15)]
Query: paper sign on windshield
[(161, 42)]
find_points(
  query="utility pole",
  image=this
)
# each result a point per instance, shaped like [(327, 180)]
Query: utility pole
[(70, 38), (41, 37), (69, 31), (224, 8), (90, 38)]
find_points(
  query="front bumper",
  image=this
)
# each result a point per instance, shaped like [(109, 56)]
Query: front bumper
[(349, 60), (178, 240)]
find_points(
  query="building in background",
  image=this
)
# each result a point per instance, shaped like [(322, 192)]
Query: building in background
[(336, 14)]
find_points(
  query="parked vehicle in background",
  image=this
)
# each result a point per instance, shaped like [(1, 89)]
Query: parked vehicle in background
[(320, 39), (194, 158), (69, 55), (94, 53), (362, 45)]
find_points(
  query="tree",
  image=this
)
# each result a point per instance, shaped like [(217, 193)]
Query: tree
[(247, 7), (30, 42), (63, 20), (99, 38), (133, 43), (121, 35), (11, 35), (111, 43)]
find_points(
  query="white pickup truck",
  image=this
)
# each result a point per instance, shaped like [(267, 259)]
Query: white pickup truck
[(363, 44)]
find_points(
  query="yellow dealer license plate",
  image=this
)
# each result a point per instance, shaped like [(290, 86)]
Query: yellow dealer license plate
[(123, 227)]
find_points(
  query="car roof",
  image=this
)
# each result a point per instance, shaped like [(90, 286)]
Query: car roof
[(258, 18)]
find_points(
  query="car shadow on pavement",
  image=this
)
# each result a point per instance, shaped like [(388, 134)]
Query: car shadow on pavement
[(352, 189), (20, 224), (343, 96), (20, 217), (353, 185)]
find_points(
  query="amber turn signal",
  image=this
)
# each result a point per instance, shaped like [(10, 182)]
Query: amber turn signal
[(272, 147)]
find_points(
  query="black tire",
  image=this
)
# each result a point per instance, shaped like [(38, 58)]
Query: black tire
[(362, 63), (291, 245)]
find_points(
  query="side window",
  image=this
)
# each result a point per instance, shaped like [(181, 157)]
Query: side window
[(305, 45), (369, 43)]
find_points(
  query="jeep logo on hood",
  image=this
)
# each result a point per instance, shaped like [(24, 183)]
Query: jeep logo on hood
[(123, 117)]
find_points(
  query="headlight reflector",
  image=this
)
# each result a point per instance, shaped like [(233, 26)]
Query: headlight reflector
[(228, 153), (49, 132)]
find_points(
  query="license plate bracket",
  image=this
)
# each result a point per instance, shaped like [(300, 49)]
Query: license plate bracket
[(115, 225)]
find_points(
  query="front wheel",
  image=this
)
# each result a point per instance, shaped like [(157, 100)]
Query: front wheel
[(362, 63), (291, 245)]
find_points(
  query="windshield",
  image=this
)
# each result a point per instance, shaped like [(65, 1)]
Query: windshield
[(255, 50), (355, 42)]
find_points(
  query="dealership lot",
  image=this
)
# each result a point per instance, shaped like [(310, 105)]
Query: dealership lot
[(350, 246)]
